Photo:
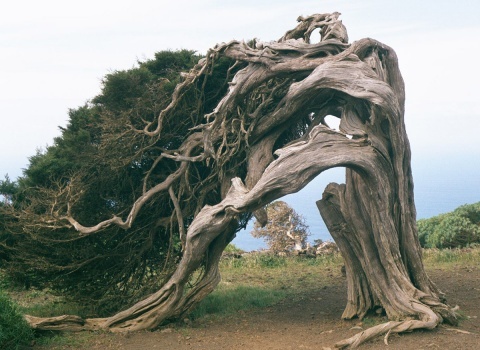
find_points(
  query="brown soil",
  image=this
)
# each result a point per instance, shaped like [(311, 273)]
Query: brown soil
[(311, 323)]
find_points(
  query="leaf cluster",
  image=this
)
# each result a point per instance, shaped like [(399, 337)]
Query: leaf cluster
[(459, 228), (8, 189), (96, 169), (15, 333)]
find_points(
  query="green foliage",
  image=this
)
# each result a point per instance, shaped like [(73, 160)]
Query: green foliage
[(97, 168), (8, 189), (232, 248), (454, 231), (167, 64), (108, 157), (103, 161), (459, 228), (15, 333), (73, 150)]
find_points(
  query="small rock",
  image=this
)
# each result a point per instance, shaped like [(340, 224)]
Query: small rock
[(356, 328), (379, 311), (166, 330)]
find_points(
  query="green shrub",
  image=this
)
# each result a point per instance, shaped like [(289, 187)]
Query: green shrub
[(460, 228), (232, 248), (15, 333), (426, 227), (469, 211), (255, 261), (454, 231)]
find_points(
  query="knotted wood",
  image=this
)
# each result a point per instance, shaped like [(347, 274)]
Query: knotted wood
[(291, 85)]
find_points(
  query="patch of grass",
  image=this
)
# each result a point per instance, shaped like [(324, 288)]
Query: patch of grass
[(15, 333), (254, 261), (262, 280), (226, 301), (461, 315), (43, 303), (55, 309), (294, 274), (55, 340), (449, 258), (371, 321)]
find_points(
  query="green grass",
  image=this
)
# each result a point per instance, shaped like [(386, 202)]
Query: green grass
[(277, 273), (226, 300), (40, 303), (43, 303), (449, 258), (50, 340), (253, 281), (261, 280), (14, 330)]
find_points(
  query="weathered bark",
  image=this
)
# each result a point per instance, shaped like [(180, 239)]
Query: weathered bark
[(371, 217)]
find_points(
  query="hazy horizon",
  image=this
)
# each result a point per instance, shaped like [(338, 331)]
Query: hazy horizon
[(456, 182), (55, 53)]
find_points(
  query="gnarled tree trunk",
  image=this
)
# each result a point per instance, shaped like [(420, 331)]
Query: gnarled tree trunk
[(371, 216)]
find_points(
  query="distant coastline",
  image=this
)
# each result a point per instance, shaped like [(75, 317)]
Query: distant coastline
[(440, 186)]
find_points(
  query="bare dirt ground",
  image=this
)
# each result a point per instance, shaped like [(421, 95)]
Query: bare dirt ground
[(311, 323)]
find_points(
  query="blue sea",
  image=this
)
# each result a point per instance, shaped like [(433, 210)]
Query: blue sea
[(440, 185)]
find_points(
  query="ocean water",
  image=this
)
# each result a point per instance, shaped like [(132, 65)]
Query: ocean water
[(440, 185)]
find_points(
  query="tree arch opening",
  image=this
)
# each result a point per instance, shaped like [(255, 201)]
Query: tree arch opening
[(303, 202), (220, 150)]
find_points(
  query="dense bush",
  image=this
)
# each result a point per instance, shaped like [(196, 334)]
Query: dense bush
[(459, 228), (14, 330), (96, 169)]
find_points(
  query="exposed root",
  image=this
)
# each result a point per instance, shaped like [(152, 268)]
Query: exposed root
[(65, 323), (428, 320), (458, 331)]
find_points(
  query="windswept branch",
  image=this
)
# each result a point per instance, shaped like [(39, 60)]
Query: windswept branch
[(178, 212), (223, 148), (136, 207)]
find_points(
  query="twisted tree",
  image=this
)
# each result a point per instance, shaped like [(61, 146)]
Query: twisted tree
[(261, 138)]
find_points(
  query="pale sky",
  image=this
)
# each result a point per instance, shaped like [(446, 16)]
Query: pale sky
[(54, 54)]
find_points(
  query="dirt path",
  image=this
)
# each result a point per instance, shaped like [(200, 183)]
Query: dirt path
[(312, 323)]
